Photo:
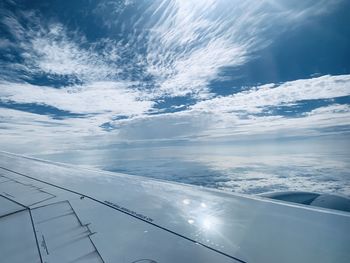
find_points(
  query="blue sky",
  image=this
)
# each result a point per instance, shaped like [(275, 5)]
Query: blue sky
[(91, 74)]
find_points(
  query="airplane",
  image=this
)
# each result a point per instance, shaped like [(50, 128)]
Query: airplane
[(54, 212)]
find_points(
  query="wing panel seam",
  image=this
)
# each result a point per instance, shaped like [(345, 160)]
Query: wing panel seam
[(124, 212)]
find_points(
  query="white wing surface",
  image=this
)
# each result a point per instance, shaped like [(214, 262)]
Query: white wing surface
[(53, 212)]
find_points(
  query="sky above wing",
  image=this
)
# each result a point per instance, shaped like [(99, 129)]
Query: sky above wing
[(173, 70), (168, 88)]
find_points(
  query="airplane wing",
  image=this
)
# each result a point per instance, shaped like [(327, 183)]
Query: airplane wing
[(52, 212)]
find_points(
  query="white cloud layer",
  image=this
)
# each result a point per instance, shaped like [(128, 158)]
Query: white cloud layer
[(202, 126), (111, 98), (222, 117), (257, 99), (238, 114)]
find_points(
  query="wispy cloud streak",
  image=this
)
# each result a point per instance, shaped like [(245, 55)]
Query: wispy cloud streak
[(190, 41)]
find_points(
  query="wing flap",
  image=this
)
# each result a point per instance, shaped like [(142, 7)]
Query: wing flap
[(17, 239)]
